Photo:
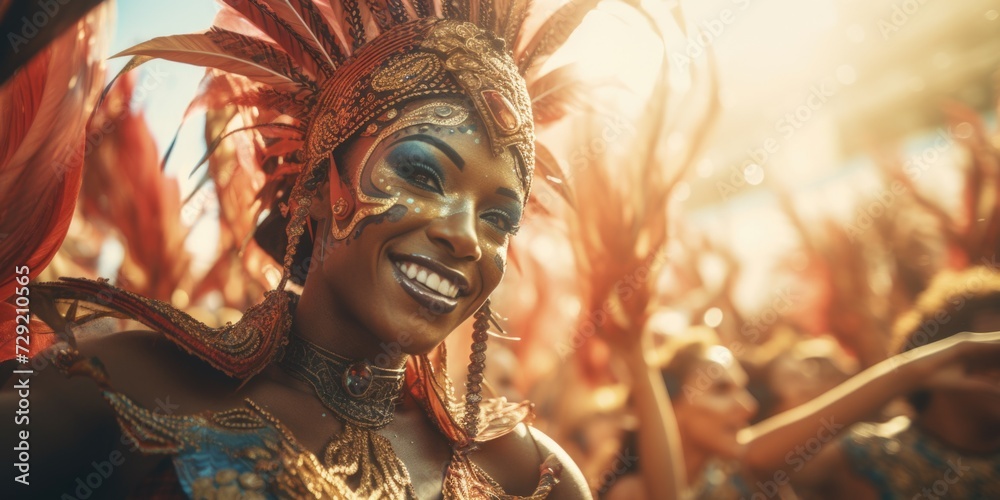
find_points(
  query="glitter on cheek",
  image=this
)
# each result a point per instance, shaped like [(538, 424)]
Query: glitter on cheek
[(409, 200), (417, 210)]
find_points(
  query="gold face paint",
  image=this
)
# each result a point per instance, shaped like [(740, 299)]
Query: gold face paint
[(437, 113)]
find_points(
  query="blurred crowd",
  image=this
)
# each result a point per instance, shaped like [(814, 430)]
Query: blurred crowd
[(845, 308)]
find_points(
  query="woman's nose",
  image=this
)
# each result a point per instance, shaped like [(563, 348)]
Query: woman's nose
[(457, 233)]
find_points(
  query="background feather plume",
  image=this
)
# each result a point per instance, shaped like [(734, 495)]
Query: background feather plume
[(42, 118)]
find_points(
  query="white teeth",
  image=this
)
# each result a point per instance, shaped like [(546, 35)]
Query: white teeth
[(444, 288), (428, 278), (433, 281)]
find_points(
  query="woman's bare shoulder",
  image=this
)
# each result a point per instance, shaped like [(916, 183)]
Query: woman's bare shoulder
[(152, 370), (515, 461)]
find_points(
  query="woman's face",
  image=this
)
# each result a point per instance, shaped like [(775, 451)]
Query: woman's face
[(412, 274), (714, 404)]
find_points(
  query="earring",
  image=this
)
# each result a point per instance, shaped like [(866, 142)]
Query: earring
[(340, 208), (477, 365)]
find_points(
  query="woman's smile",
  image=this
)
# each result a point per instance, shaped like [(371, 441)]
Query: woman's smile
[(429, 282)]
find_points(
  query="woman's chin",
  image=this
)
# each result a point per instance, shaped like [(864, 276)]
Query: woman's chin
[(423, 344), (413, 340), (732, 449), (725, 449), (419, 336)]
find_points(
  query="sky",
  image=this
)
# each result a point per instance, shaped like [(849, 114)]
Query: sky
[(172, 85)]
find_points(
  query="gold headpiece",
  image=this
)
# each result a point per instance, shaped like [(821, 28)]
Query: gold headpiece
[(419, 59), (302, 77)]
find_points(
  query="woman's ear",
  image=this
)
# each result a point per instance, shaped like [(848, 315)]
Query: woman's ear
[(333, 201), (320, 208), (340, 197)]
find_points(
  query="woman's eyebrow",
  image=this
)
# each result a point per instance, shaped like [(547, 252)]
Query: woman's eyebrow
[(438, 143), (508, 193)]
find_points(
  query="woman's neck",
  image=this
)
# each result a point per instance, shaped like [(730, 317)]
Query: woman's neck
[(325, 321), (695, 459)]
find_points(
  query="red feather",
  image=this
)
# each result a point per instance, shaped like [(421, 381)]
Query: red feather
[(45, 109), (285, 32), (201, 50)]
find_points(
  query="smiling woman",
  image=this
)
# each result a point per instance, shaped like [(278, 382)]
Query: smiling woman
[(395, 141), (438, 249)]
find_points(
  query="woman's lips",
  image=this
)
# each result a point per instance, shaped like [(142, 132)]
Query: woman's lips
[(433, 300), (435, 275)]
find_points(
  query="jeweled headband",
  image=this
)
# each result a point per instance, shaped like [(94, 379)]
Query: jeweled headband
[(425, 58)]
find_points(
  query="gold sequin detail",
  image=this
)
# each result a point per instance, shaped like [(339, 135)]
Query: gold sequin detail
[(405, 71)]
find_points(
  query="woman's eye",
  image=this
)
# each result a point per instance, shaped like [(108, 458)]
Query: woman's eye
[(420, 175), (501, 221)]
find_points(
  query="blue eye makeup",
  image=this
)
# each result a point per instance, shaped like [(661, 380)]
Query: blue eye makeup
[(502, 220), (509, 217), (413, 160), (413, 163)]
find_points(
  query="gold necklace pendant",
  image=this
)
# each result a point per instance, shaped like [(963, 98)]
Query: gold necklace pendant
[(364, 398), (357, 392), (368, 463), (358, 379)]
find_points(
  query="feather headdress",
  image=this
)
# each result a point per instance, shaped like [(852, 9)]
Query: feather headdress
[(297, 78), (300, 77)]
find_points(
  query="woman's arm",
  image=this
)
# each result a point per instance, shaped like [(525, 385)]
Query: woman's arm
[(515, 460), (572, 484), (660, 458), (786, 443)]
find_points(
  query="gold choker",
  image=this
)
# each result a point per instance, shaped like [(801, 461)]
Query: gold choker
[(355, 390)]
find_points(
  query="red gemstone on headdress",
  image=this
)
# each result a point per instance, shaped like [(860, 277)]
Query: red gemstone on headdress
[(502, 110), (357, 379)]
